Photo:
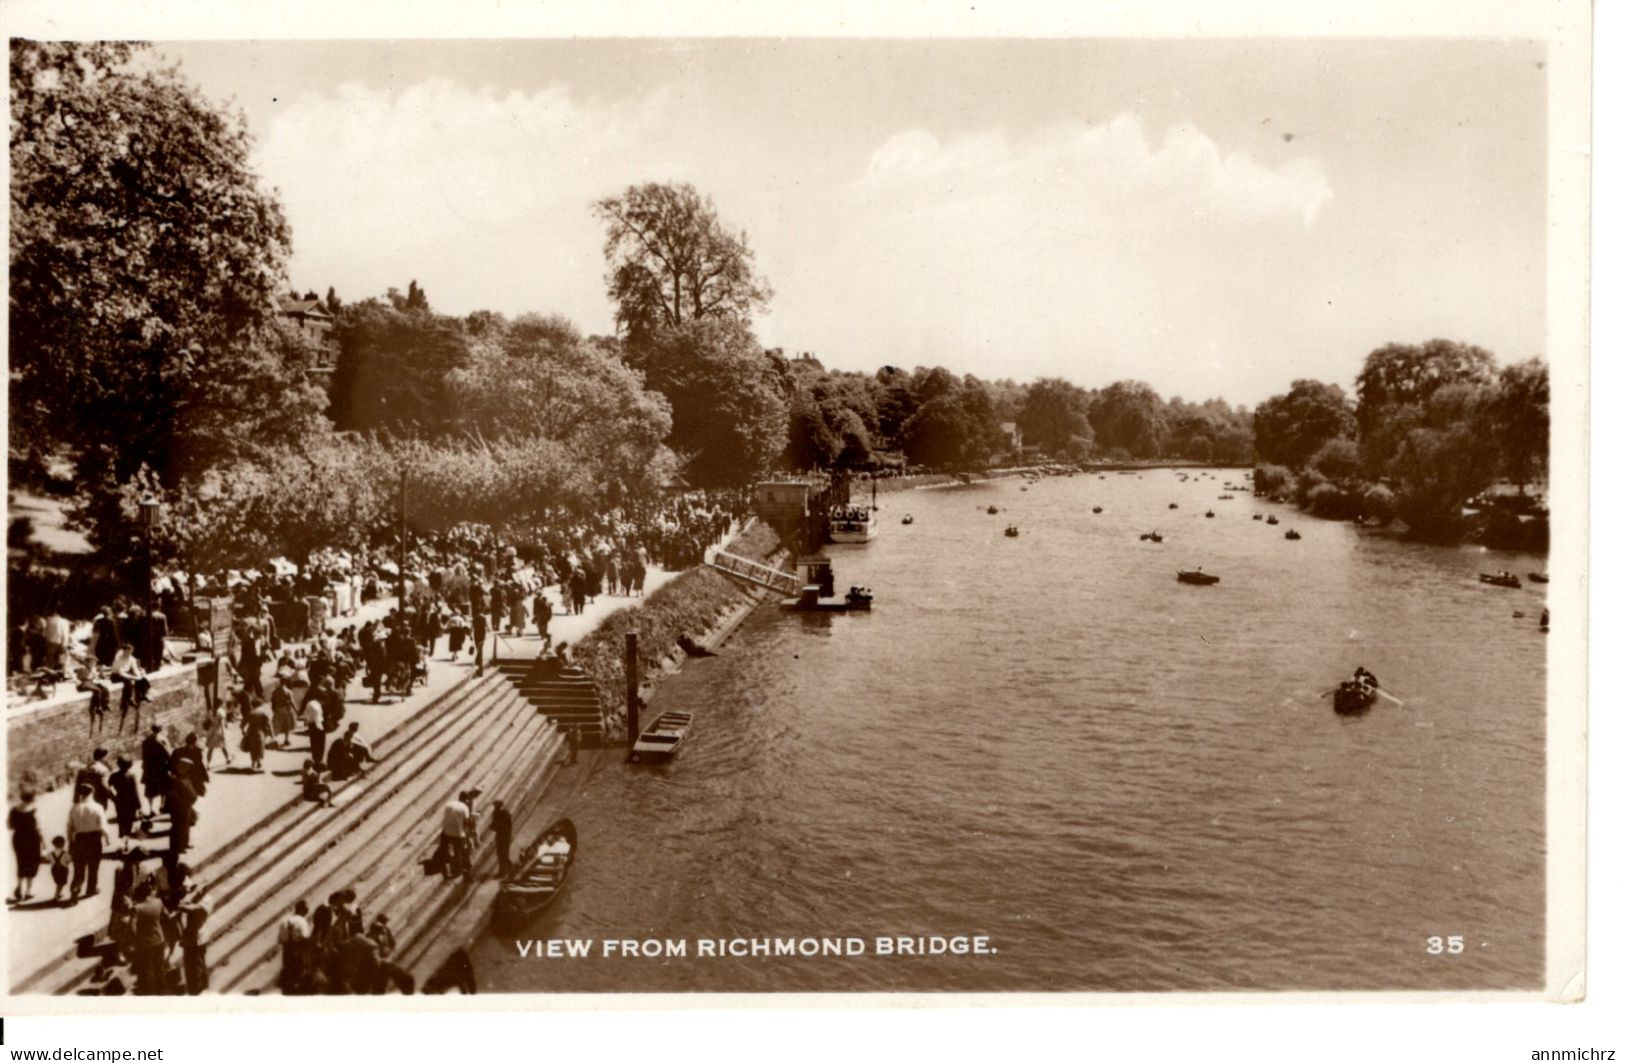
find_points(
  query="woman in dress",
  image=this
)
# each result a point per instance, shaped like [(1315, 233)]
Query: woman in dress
[(25, 845), (283, 716), (216, 723), (256, 730)]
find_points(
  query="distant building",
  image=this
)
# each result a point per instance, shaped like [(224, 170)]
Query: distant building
[(310, 316), (1012, 432)]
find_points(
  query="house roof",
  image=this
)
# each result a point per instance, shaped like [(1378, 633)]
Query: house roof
[(313, 307)]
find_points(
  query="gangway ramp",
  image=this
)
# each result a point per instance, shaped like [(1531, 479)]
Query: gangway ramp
[(786, 583)]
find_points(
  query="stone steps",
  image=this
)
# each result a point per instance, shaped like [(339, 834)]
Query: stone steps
[(303, 850), (517, 751)]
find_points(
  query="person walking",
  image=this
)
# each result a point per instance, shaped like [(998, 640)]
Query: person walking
[(216, 741), (572, 738), (26, 844), (479, 643), (284, 715), (516, 611), (155, 768), (126, 798), (499, 605), (544, 616), (256, 733), (87, 832)]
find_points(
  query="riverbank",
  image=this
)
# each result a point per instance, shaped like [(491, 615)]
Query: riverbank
[(698, 603)]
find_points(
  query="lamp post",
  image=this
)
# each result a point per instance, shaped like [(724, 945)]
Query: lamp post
[(149, 521)]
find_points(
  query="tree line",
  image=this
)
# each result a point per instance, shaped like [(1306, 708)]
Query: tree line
[(1433, 427)]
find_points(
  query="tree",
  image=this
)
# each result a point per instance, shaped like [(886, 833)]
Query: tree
[(1290, 429), (1055, 415), (1521, 414), (1396, 384), (1128, 416), (145, 266), (392, 366), (672, 261), (728, 410)]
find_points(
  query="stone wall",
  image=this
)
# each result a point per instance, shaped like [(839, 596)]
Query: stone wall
[(48, 744)]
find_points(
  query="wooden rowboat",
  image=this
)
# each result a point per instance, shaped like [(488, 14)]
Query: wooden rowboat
[(1197, 577), (543, 867), (660, 741)]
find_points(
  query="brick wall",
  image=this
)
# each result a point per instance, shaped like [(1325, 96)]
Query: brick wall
[(46, 746)]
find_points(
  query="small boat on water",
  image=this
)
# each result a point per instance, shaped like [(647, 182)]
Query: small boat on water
[(992, 510), (1097, 509), (1500, 579), (662, 740), (1153, 537), (1011, 531), (542, 868), (1352, 696), (1209, 513), (1292, 535), (908, 518), (1271, 519), (1258, 516), (1173, 505), (1539, 577), (1226, 498), (1197, 577)]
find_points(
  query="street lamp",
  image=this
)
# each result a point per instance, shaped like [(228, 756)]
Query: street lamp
[(149, 520)]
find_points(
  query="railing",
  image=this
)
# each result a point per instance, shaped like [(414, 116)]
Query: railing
[(755, 572)]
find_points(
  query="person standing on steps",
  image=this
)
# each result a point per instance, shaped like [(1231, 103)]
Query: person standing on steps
[(573, 738), (502, 827), (314, 729)]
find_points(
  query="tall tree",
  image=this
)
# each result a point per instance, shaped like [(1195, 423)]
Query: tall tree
[(1521, 414), (145, 266), (1396, 383), (1291, 429), (1055, 417), (728, 402), (392, 368), (672, 261), (1127, 416)]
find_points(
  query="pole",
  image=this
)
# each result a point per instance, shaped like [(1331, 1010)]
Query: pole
[(400, 576), (631, 687)]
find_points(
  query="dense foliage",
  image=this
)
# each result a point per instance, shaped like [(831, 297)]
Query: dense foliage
[(1436, 426)]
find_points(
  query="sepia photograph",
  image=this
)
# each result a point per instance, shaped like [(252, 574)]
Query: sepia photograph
[(977, 515)]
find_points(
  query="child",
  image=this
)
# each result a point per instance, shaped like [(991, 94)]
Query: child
[(315, 787), (59, 865)]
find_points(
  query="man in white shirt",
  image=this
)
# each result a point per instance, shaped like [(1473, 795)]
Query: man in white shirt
[(315, 731), (294, 937), (454, 830), (87, 831)]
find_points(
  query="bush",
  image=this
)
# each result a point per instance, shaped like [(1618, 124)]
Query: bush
[(1333, 502), (1378, 503), (1272, 479)]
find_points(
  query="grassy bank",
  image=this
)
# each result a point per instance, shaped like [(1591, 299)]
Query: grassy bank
[(691, 605)]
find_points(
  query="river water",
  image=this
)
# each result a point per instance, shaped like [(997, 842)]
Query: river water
[(1121, 781)]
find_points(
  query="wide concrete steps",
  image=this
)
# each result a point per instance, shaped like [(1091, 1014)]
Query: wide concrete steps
[(301, 850), (514, 758), (567, 697)]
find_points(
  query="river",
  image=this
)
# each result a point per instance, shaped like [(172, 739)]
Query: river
[(1120, 781)]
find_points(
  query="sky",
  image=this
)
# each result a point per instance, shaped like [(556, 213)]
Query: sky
[(1214, 217)]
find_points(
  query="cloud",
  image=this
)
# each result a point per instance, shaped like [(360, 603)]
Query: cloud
[(371, 176), (1073, 167)]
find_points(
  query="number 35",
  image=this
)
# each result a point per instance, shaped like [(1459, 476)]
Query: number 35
[(1454, 945)]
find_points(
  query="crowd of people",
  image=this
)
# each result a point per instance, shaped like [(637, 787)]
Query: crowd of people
[(466, 584)]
